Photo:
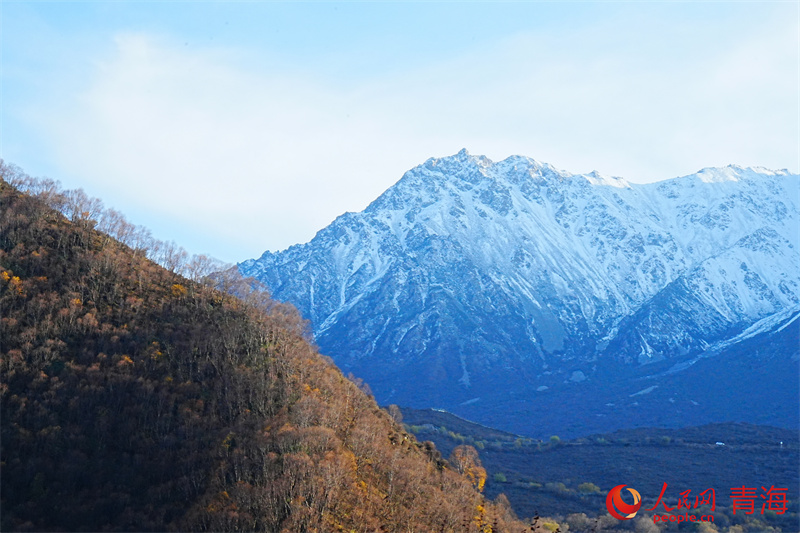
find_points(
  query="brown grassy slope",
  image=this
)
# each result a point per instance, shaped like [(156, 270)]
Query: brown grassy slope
[(134, 399)]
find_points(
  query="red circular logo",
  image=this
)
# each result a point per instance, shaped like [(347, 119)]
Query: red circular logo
[(618, 508)]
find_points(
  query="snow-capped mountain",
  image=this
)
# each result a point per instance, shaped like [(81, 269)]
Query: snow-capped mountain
[(472, 281)]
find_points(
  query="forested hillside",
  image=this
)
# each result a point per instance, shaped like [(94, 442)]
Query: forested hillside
[(571, 478), (136, 399)]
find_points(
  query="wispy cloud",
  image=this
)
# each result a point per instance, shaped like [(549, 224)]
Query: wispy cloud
[(241, 158)]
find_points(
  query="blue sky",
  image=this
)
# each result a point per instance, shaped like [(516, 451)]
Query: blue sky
[(237, 127)]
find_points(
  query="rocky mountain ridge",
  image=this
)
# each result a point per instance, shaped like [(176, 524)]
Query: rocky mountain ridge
[(470, 275)]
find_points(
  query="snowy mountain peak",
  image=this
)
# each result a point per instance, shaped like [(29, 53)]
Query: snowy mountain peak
[(595, 178), (736, 173), (467, 270)]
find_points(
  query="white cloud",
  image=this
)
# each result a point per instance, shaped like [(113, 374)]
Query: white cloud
[(257, 159)]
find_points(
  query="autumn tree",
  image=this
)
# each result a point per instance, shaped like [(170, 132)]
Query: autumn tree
[(465, 460)]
